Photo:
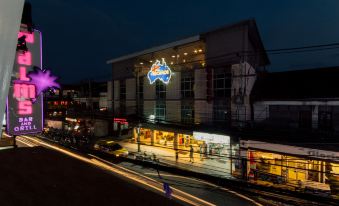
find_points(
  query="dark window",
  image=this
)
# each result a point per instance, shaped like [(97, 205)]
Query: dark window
[(222, 85), (187, 114), (325, 121), (122, 89), (187, 84), (160, 111), (220, 111), (305, 119), (160, 90)]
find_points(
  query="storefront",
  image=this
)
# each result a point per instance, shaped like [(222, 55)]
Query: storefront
[(300, 171), (164, 138), (213, 144)]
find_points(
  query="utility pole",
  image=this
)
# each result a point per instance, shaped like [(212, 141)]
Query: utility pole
[(138, 138)]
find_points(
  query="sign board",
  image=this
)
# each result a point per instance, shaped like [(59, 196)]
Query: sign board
[(159, 71), (24, 104)]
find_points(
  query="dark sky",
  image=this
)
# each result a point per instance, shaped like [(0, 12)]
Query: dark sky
[(80, 35)]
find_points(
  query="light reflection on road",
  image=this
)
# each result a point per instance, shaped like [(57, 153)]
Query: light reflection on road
[(131, 175)]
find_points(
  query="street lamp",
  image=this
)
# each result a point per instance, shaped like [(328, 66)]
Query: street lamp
[(138, 138)]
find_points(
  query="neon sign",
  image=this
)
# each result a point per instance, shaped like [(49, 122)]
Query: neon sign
[(159, 71), (25, 100)]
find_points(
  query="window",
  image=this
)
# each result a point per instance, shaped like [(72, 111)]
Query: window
[(122, 89), (160, 90), (160, 111), (325, 120), (187, 83), (187, 114), (222, 85), (141, 88), (220, 111)]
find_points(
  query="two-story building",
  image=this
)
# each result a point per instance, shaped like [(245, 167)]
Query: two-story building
[(190, 91)]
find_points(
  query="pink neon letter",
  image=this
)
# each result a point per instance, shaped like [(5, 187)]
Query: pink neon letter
[(23, 76), (25, 107), (25, 59), (29, 37), (24, 91)]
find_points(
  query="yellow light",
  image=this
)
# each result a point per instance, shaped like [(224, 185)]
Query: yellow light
[(184, 60), (195, 51), (141, 63), (173, 56), (150, 61), (185, 53), (178, 55), (171, 62), (200, 50)]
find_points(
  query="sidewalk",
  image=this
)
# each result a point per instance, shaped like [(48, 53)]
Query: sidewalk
[(219, 167), (211, 167)]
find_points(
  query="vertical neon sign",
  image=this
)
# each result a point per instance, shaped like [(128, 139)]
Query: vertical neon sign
[(25, 104)]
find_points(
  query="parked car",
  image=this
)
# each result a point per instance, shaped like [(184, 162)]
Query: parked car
[(110, 147)]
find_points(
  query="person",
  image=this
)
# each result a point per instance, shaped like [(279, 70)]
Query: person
[(191, 154)]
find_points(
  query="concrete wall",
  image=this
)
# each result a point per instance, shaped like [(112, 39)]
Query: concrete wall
[(224, 44), (100, 128), (149, 90), (130, 89), (130, 96), (123, 70), (200, 84), (10, 15), (243, 79), (110, 95), (116, 95), (203, 111), (173, 87), (173, 111)]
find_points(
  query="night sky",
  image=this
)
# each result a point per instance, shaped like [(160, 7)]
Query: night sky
[(80, 35)]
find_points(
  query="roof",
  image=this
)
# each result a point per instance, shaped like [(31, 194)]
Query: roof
[(319, 83), (155, 49), (253, 35)]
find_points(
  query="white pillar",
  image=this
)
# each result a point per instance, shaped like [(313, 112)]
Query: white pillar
[(10, 15)]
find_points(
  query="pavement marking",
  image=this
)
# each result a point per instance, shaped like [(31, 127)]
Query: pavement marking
[(136, 177), (153, 180), (25, 142), (210, 184)]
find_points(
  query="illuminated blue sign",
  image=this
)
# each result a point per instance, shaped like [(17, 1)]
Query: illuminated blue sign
[(159, 71)]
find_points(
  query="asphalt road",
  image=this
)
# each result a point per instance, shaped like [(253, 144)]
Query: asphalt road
[(196, 191), (34, 175)]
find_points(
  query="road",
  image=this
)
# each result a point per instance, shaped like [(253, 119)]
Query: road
[(186, 190)]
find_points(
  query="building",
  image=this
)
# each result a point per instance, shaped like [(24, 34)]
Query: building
[(293, 138), (189, 92), (82, 107), (304, 101)]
